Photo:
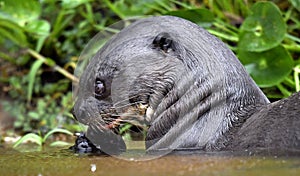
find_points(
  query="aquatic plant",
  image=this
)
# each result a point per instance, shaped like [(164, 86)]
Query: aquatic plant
[(40, 140)]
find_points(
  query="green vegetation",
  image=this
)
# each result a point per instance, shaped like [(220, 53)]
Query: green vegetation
[(42, 40), (41, 140)]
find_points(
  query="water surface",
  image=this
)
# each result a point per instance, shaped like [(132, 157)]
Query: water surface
[(58, 161)]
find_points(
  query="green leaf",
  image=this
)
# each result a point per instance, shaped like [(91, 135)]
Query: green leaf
[(38, 27), (57, 130), (12, 32), (19, 122), (40, 43), (22, 60), (263, 29), (202, 17), (125, 128), (34, 115), (33, 70), (296, 4), (30, 136), (70, 4), (267, 68), (60, 144), (20, 11), (41, 104)]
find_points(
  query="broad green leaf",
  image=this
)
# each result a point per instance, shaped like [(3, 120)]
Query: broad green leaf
[(267, 68), (39, 27), (263, 29), (30, 136), (33, 70), (202, 17), (20, 11)]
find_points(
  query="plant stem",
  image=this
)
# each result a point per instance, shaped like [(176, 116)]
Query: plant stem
[(226, 27), (295, 48), (114, 9), (55, 67), (289, 82), (164, 5), (224, 36), (292, 37), (283, 90), (296, 77), (186, 6)]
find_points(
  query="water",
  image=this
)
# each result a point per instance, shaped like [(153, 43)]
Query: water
[(58, 161)]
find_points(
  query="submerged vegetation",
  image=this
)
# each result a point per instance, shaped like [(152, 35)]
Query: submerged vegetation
[(42, 40)]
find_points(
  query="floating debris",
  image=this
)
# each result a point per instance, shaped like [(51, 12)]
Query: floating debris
[(93, 167)]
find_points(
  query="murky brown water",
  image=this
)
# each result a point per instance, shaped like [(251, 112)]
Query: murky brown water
[(57, 161)]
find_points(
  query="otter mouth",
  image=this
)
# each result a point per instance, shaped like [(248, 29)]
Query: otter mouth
[(106, 132), (137, 116), (134, 115)]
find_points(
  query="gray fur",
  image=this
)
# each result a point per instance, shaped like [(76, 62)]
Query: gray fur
[(276, 127), (200, 93)]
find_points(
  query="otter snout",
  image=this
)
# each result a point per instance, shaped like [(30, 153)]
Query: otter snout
[(89, 110)]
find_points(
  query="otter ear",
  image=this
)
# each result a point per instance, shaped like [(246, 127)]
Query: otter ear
[(163, 41)]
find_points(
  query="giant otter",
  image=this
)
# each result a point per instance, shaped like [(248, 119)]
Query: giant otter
[(191, 89)]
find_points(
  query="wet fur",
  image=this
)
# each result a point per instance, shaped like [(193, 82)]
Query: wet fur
[(201, 94)]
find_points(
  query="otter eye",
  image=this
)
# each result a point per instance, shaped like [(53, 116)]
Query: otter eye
[(99, 87)]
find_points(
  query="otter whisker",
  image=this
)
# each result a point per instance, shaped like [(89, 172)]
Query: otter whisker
[(130, 98), (124, 100), (129, 105), (119, 115), (124, 117)]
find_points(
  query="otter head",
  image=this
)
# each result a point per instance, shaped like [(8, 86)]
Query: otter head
[(173, 76)]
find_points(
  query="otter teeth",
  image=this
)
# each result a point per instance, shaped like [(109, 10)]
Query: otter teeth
[(149, 113)]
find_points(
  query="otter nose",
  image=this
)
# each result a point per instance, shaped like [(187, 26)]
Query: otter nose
[(85, 110), (88, 110)]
